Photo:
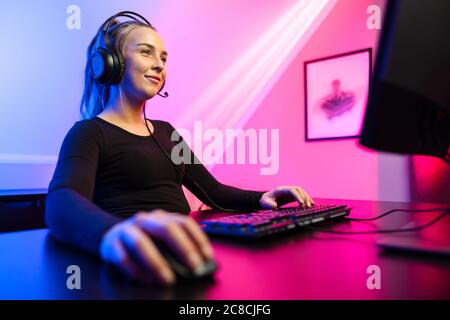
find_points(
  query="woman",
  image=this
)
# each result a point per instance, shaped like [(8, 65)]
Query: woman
[(114, 192)]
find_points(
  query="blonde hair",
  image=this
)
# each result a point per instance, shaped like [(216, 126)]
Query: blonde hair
[(95, 96)]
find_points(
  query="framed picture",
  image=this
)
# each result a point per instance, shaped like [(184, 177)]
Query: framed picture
[(336, 92)]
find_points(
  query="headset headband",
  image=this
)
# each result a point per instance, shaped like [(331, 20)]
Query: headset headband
[(110, 20)]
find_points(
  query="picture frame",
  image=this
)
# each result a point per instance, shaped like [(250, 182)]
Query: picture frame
[(336, 92)]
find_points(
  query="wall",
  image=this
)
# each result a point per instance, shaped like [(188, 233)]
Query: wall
[(213, 47), (332, 169)]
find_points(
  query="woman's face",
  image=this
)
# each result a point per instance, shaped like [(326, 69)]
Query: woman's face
[(145, 58)]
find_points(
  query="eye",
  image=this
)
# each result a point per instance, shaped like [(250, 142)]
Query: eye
[(146, 52)]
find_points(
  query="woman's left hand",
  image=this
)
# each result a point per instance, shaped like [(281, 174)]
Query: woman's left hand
[(284, 194)]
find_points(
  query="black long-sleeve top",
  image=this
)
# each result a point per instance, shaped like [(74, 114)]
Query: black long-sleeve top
[(106, 174)]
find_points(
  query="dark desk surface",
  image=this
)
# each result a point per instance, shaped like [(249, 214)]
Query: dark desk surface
[(22, 195), (300, 265)]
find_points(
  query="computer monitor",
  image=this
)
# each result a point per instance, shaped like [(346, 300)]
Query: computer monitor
[(408, 110)]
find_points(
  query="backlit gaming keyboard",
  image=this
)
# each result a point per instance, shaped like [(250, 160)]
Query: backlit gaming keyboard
[(264, 223)]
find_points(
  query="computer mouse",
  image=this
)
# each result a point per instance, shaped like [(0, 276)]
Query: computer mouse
[(183, 272)]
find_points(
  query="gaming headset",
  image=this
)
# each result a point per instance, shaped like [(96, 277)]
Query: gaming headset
[(108, 64)]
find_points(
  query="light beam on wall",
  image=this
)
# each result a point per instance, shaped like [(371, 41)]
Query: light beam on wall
[(231, 100)]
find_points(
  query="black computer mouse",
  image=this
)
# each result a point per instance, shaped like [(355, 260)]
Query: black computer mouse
[(183, 272)]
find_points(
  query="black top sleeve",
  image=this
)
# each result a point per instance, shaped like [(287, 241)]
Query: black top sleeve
[(199, 181), (70, 214)]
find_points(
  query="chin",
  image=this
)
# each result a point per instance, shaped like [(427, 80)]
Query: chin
[(152, 93), (149, 93)]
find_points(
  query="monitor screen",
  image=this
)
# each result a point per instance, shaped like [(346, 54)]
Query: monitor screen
[(408, 109)]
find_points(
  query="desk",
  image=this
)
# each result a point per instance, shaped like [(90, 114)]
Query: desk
[(300, 265), (22, 209), (20, 195)]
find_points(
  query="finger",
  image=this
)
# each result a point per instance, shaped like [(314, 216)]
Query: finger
[(180, 242), (309, 197), (133, 270), (143, 249), (122, 260), (298, 196), (304, 196), (169, 230), (309, 201), (268, 202), (285, 194), (199, 237), (196, 234)]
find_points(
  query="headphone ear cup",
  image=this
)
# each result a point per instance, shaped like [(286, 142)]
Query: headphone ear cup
[(107, 65), (118, 67), (102, 64)]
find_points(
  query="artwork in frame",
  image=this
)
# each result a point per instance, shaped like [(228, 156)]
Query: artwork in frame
[(336, 93)]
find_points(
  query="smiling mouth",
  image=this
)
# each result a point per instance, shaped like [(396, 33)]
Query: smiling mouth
[(153, 80)]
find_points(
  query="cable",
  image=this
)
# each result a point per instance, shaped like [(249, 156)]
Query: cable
[(383, 230), (396, 210), (184, 173)]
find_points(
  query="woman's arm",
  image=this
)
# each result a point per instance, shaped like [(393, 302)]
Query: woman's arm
[(229, 197), (70, 214), (225, 196)]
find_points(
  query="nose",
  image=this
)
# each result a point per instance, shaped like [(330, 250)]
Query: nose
[(158, 66)]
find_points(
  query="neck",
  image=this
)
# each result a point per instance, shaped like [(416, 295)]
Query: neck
[(124, 107)]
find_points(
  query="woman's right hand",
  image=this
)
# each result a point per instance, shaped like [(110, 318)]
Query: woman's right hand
[(130, 246)]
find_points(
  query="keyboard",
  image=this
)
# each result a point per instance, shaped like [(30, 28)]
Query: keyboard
[(268, 222)]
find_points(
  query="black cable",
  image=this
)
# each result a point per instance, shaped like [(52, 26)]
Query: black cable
[(184, 173), (383, 230), (396, 210)]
